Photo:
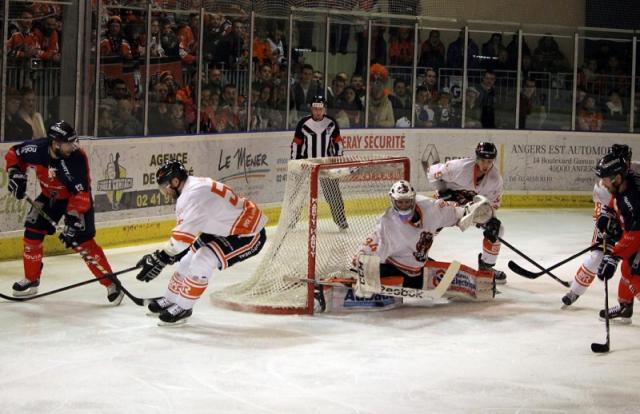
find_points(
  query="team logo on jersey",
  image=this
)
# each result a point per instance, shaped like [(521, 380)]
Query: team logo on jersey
[(423, 246), (52, 173), (115, 181)]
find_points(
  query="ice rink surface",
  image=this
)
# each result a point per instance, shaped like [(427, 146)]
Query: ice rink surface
[(72, 353)]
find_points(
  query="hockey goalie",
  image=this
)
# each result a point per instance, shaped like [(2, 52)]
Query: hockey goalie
[(393, 262)]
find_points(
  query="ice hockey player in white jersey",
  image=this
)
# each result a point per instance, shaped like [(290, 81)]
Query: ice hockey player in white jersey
[(606, 226), (405, 232), (216, 228), (460, 180)]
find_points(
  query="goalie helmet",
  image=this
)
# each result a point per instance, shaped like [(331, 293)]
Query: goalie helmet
[(486, 150), (169, 170), (62, 131), (611, 165), (402, 190)]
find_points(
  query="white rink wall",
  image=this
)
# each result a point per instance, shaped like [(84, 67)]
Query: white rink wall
[(255, 164)]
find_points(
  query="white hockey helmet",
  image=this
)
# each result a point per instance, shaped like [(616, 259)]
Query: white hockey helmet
[(403, 190)]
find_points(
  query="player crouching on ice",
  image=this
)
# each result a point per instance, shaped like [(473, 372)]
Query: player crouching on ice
[(397, 252), (230, 228)]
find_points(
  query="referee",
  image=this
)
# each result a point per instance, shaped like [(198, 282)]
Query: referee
[(318, 135)]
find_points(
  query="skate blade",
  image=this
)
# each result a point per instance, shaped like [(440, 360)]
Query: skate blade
[(618, 321), (169, 324), (25, 293)]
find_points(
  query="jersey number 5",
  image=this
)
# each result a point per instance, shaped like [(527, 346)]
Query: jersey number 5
[(225, 192)]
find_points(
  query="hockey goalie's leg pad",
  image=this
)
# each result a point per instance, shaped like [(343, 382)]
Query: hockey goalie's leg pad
[(469, 284)]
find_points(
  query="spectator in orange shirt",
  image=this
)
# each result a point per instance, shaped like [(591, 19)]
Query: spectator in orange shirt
[(114, 43), (188, 40), (24, 44), (49, 41), (590, 117), (401, 48)]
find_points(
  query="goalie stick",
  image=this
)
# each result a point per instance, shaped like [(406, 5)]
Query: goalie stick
[(530, 260), (62, 289), (85, 256), (399, 291), (534, 275)]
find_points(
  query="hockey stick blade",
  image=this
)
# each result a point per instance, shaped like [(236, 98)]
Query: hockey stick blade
[(533, 275), (600, 348)]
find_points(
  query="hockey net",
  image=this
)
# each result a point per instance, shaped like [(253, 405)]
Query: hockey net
[(313, 239)]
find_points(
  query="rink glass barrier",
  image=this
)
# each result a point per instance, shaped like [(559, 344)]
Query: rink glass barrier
[(192, 67)]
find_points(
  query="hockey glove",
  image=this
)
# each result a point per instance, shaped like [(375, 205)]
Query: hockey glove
[(607, 267), (17, 183), (607, 224), (492, 230), (73, 224), (152, 264)]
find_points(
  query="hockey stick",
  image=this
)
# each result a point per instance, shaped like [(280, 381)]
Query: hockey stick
[(87, 257), (530, 260), (534, 275), (604, 348), (62, 289), (399, 291)]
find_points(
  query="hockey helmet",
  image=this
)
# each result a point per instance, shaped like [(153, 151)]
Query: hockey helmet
[(169, 170), (622, 150), (62, 131), (318, 102), (486, 150), (611, 165), (403, 190)]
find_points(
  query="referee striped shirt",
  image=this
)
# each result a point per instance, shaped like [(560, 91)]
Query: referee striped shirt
[(314, 139)]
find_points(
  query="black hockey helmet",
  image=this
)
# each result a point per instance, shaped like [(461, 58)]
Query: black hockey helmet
[(169, 170), (611, 165), (62, 131), (622, 150), (318, 101), (486, 150)]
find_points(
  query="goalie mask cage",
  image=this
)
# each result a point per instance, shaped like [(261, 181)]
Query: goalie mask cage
[(312, 240)]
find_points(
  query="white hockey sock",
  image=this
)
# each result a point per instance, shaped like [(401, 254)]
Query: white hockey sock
[(175, 286)]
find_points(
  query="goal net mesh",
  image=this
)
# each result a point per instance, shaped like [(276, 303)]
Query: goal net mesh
[(352, 192)]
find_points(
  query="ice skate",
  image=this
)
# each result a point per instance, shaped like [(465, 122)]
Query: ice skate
[(620, 313), (569, 299), (157, 305), (499, 276), (114, 294), (174, 315), (25, 288)]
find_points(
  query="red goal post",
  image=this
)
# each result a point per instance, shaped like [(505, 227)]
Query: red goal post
[(330, 206)]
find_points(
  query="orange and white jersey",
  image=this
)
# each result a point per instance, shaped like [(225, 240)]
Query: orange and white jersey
[(406, 245), (461, 174), (208, 206)]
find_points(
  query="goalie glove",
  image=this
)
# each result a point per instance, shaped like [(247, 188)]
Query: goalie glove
[(477, 212), (152, 264), (368, 270)]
